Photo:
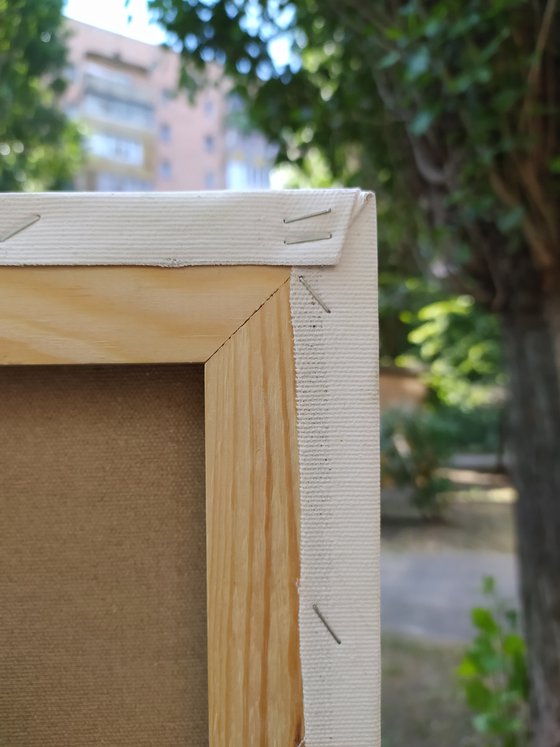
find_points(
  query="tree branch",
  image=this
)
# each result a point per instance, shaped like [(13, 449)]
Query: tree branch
[(433, 174), (542, 40)]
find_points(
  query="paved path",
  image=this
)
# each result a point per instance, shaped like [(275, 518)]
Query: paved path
[(429, 595)]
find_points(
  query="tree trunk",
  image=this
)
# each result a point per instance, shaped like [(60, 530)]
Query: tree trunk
[(535, 439)]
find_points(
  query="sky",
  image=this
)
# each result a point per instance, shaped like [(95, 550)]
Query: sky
[(112, 15)]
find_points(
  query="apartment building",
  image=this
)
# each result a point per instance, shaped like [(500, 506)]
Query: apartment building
[(142, 133)]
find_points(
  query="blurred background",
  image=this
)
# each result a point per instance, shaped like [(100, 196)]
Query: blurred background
[(450, 111)]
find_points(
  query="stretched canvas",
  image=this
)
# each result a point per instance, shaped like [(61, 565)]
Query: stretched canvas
[(189, 540)]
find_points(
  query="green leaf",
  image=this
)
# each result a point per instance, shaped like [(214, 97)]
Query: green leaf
[(479, 697), (418, 63), (512, 618), (432, 27), (481, 723), (513, 644), (484, 620), (511, 220), (394, 33), (422, 122), (467, 668), (388, 60), (488, 585), (461, 83)]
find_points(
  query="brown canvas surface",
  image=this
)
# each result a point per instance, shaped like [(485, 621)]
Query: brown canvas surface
[(102, 557)]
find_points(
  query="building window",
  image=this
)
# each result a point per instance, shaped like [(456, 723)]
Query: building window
[(209, 143), (116, 148), (165, 169), (168, 94), (241, 175), (108, 107), (108, 182), (106, 74), (165, 133), (265, 178), (210, 180), (209, 107)]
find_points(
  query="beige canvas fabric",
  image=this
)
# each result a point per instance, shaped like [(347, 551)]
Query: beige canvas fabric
[(337, 384), (102, 557), (175, 228)]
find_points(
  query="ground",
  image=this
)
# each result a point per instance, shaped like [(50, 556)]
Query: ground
[(431, 574), (429, 595), (467, 525), (422, 705), (479, 516)]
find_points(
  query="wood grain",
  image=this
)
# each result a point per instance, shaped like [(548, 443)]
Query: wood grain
[(126, 314), (255, 689)]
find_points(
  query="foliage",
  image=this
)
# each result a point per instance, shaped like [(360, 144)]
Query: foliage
[(312, 173), (448, 108), (493, 674), (459, 342), (415, 444), (397, 293), (475, 429), (39, 149)]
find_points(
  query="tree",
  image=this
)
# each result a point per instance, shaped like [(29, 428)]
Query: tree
[(450, 110), (39, 148), (459, 344)]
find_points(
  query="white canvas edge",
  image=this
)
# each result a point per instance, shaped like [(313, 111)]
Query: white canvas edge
[(334, 316), (174, 229)]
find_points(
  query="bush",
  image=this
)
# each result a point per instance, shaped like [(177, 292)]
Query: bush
[(493, 674), (479, 430), (414, 445)]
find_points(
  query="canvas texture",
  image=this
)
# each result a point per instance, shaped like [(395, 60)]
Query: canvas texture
[(175, 229), (102, 557), (334, 314)]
